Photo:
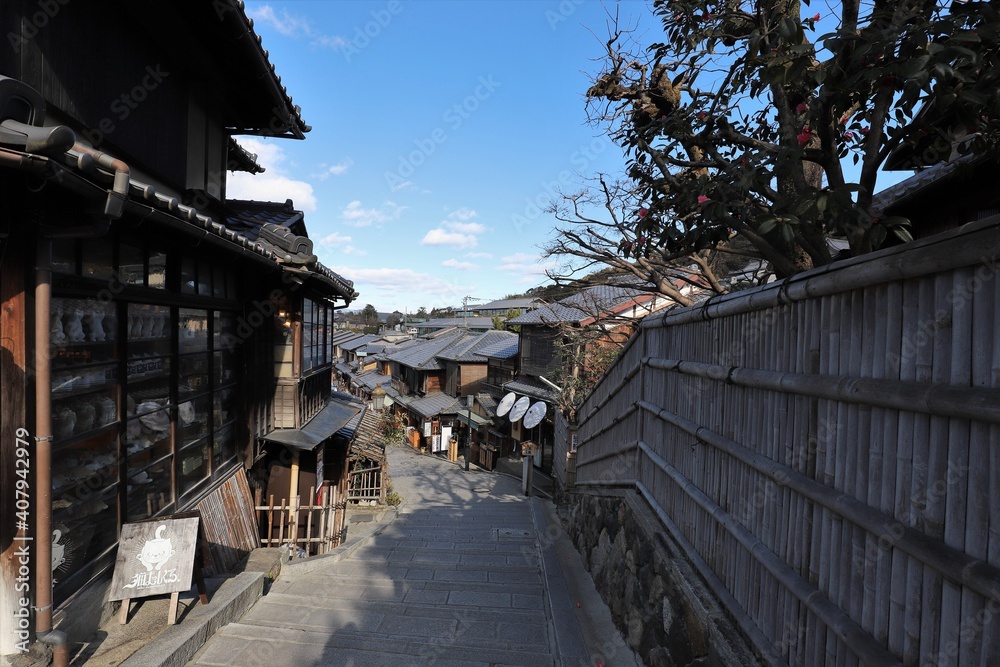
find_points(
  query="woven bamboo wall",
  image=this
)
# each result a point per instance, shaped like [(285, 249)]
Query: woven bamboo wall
[(827, 450)]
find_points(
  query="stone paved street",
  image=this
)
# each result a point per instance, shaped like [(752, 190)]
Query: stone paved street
[(468, 573)]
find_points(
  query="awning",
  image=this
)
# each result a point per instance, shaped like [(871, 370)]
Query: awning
[(330, 419), (477, 421)]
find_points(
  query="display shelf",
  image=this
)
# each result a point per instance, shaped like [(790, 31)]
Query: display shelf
[(60, 444)]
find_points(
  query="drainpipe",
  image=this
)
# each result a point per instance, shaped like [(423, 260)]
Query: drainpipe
[(43, 460), (118, 195)]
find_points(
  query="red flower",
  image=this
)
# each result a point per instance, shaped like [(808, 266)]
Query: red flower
[(702, 115), (848, 135), (805, 135), (801, 108), (642, 213), (702, 199), (816, 17), (707, 16), (864, 130)]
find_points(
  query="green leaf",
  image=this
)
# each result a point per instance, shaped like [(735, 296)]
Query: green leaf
[(766, 225), (877, 235), (903, 234), (787, 233)]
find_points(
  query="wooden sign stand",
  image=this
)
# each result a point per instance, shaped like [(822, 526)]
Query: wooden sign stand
[(174, 536), (175, 598)]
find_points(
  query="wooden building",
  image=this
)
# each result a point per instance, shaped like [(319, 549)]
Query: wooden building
[(158, 341)]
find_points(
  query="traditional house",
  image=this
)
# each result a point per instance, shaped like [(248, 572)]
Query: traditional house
[(559, 340), (158, 341)]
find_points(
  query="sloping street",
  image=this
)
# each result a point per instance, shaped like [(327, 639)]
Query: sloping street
[(470, 572)]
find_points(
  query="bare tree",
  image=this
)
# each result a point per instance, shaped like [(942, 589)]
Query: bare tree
[(598, 244), (746, 119)]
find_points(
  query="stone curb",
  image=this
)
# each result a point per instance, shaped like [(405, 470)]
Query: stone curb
[(177, 644)]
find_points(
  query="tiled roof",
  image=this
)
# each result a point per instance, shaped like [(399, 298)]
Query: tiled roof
[(435, 404), (507, 304), (343, 337), (471, 348), (371, 379), (247, 217), (488, 402), (360, 341), (590, 302), (462, 322), (501, 349), (529, 386), (924, 178), (424, 355)]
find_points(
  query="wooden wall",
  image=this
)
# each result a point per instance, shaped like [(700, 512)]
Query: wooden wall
[(827, 451)]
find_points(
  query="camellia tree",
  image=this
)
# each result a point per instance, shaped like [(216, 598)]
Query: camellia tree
[(770, 121)]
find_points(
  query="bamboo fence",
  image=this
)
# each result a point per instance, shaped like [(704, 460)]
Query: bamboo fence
[(315, 528), (826, 450)]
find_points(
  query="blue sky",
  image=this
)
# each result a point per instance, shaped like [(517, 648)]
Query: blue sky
[(440, 130)]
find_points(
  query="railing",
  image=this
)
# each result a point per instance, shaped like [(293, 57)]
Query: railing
[(366, 485), (314, 528)]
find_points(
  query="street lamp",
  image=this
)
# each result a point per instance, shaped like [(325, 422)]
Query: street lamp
[(378, 398)]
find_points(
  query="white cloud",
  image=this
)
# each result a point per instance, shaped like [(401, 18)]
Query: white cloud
[(461, 266), (463, 214), (443, 237), (274, 184), (356, 215), (295, 27), (335, 238), (479, 255), (456, 231), (334, 170), (393, 282), (351, 250), (466, 227), (529, 268)]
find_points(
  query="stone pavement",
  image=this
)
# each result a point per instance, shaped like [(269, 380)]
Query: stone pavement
[(470, 572)]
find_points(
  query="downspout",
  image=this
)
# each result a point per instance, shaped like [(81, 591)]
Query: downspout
[(43, 460), (118, 195)]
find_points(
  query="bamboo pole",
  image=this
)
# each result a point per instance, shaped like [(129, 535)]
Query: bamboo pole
[(847, 630), (958, 566)]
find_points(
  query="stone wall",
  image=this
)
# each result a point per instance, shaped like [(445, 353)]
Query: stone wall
[(657, 600)]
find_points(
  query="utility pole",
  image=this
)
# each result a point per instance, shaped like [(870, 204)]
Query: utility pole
[(465, 309)]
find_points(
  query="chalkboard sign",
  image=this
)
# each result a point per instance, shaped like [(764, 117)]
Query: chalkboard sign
[(155, 557)]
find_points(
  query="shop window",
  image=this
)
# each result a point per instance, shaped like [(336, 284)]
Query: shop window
[(85, 421), (131, 265), (97, 259), (64, 256), (149, 455), (189, 276), (204, 278), (157, 270)]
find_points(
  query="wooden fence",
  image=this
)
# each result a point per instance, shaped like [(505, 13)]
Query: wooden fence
[(315, 528), (366, 485), (826, 450)]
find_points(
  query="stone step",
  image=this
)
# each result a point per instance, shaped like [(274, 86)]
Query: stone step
[(252, 644), (282, 607), (384, 588)]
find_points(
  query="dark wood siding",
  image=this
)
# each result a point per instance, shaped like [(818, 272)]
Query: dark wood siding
[(134, 100), (539, 355)]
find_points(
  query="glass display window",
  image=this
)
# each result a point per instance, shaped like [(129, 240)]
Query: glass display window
[(149, 490), (192, 330), (98, 259), (84, 501), (157, 277), (64, 256), (131, 265)]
